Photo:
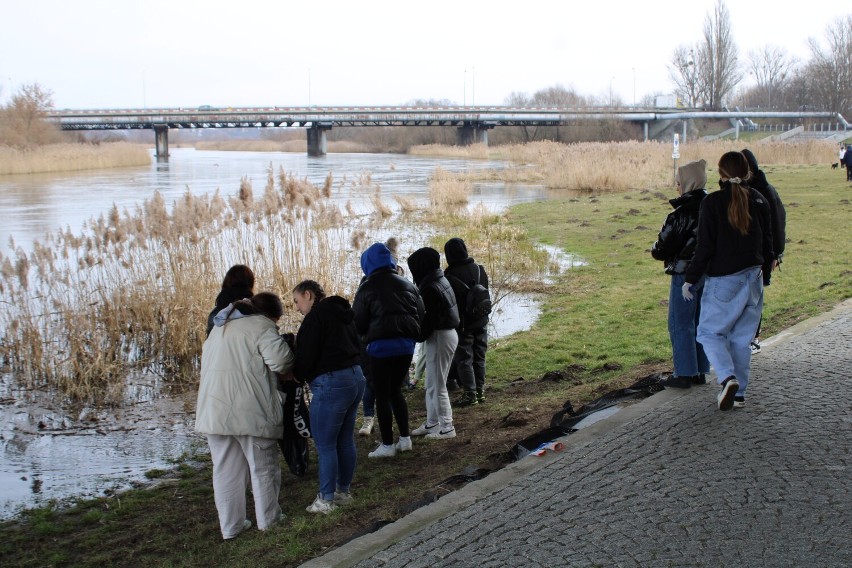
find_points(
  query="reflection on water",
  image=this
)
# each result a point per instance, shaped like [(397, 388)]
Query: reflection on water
[(50, 452)]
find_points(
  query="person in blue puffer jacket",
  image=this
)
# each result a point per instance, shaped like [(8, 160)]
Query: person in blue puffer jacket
[(388, 314)]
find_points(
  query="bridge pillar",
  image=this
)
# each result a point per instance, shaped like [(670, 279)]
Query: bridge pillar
[(317, 141), (161, 136), (473, 133)]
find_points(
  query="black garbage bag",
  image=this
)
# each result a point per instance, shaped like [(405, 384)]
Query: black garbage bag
[(297, 427)]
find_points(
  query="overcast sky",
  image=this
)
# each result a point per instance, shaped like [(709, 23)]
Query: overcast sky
[(174, 53)]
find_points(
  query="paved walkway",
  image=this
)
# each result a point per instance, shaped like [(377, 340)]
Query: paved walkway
[(670, 481)]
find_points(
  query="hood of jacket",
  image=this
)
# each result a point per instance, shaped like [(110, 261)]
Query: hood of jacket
[(226, 314), (691, 199), (692, 175), (376, 257), (336, 307), (422, 262), (455, 250)]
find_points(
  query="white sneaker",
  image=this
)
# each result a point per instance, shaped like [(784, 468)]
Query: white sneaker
[(383, 451), (342, 498), (404, 444), (320, 505), (442, 434), (366, 426), (424, 429)]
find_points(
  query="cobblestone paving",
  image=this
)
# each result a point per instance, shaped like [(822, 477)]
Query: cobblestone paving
[(685, 484)]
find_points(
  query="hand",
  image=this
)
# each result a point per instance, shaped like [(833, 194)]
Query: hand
[(686, 291)]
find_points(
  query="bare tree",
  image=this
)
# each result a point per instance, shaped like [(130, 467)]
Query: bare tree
[(684, 72), (719, 68), (23, 121), (831, 68), (770, 66)]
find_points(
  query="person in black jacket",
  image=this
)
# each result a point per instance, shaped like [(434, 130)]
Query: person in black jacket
[(388, 314), (438, 333), (675, 246), (238, 284), (469, 360), (327, 354), (734, 251), (777, 218)]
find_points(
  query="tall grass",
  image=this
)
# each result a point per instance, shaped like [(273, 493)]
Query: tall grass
[(71, 157), (620, 166)]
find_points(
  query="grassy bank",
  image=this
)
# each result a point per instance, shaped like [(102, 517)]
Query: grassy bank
[(604, 321), (71, 157)]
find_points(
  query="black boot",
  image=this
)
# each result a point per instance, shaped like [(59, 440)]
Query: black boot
[(480, 396), (467, 398), (678, 382)]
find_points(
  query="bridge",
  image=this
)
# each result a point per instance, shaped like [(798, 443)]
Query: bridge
[(472, 122)]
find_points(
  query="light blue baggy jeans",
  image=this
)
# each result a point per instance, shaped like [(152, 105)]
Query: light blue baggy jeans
[(730, 312)]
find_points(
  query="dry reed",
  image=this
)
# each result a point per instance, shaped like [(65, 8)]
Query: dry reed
[(71, 157)]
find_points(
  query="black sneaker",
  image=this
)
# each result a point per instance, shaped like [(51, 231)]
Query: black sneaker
[(678, 382), (725, 398), (480, 396), (755, 345), (699, 379), (739, 401), (467, 398)]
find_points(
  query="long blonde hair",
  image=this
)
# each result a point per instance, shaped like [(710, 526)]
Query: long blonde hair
[(733, 170)]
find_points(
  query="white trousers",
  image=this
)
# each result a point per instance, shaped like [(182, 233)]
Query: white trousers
[(439, 348), (236, 461)]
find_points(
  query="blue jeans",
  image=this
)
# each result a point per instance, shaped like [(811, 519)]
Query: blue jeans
[(730, 311), (369, 401), (687, 353), (336, 396)]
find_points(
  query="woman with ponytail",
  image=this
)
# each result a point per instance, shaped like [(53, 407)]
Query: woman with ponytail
[(734, 251)]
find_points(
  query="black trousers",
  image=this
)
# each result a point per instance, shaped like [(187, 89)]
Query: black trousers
[(387, 375), (469, 359)]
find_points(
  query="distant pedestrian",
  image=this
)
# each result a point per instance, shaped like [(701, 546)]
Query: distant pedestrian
[(240, 411), (439, 337), (675, 246), (842, 156), (388, 314), (238, 284), (777, 219), (469, 361), (847, 159), (327, 355), (734, 252)]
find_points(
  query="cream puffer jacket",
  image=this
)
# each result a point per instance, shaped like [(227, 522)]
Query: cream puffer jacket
[(237, 394)]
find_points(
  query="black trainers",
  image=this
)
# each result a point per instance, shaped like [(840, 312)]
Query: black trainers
[(739, 402), (699, 379), (467, 398), (480, 396), (678, 382), (755, 345), (725, 398)]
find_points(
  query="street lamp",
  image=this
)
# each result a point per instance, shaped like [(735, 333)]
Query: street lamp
[(464, 89), (634, 86), (610, 90)]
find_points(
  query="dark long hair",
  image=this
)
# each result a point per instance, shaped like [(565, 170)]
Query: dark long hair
[(239, 276), (734, 171)]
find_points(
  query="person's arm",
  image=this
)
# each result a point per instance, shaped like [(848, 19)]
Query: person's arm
[(309, 347), (705, 247), (275, 352), (663, 249)]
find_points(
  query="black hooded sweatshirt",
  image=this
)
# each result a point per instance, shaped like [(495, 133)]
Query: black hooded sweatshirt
[(777, 213), (327, 340), (438, 296), (462, 272)]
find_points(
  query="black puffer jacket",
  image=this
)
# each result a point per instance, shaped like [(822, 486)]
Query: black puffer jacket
[(676, 242), (462, 272), (387, 306), (777, 213), (438, 296), (327, 340)]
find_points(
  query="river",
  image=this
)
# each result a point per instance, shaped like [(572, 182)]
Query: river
[(52, 451)]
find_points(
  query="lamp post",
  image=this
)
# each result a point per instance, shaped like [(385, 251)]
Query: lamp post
[(610, 90), (464, 89), (634, 86)]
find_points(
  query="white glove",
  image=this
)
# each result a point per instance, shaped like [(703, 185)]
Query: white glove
[(686, 290)]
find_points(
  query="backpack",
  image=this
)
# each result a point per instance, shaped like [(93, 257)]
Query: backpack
[(478, 300)]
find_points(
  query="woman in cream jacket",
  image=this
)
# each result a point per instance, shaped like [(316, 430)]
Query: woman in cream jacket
[(240, 411)]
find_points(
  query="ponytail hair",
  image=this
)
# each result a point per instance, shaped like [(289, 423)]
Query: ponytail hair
[(733, 171), (311, 286)]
